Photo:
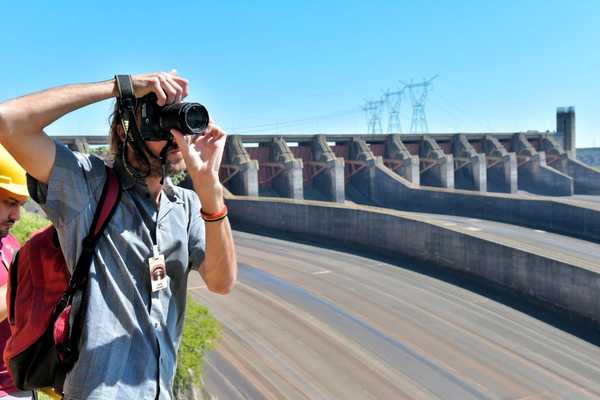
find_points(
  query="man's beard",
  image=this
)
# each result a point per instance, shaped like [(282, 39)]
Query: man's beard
[(5, 229), (155, 169), (171, 169)]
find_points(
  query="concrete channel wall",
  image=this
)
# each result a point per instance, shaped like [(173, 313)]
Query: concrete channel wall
[(569, 284), (551, 214), (590, 156), (586, 178)]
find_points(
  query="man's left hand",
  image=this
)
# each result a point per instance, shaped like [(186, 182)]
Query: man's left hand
[(203, 154)]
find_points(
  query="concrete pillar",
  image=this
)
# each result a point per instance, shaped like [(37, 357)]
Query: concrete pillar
[(245, 180), (501, 166), (364, 180), (331, 181), (556, 156), (470, 171), (586, 180), (534, 175), (395, 150), (437, 168), (565, 129), (289, 183)]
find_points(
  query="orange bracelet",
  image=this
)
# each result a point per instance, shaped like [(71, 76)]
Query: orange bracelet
[(219, 215)]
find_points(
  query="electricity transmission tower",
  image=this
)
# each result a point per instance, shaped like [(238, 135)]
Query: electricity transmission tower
[(372, 109), (418, 97), (393, 101)]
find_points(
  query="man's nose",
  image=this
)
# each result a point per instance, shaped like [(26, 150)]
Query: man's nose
[(15, 213)]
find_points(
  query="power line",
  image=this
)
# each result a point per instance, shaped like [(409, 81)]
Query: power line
[(295, 122)]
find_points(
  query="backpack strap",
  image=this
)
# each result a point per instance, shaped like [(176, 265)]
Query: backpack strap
[(111, 194), (74, 295)]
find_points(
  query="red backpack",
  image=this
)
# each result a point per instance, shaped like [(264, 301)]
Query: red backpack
[(46, 305)]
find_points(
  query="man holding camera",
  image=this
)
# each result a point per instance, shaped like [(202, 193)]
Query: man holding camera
[(132, 327)]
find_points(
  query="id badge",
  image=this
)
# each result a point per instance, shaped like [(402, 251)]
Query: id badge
[(158, 270)]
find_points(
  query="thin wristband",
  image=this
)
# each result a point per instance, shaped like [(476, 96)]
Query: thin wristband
[(215, 220), (214, 216)]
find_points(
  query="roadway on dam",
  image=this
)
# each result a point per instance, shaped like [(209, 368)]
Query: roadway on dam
[(541, 242), (306, 322), (595, 200)]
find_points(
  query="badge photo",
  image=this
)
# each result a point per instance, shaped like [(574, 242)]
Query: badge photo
[(158, 272)]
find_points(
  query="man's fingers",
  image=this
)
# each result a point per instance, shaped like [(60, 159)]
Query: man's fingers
[(169, 89), (176, 85), (183, 83), (172, 88), (168, 86), (159, 91), (178, 89), (220, 134), (215, 133), (181, 142), (200, 140)]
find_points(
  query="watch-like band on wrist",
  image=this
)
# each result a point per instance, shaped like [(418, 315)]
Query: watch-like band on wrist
[(214, 217)]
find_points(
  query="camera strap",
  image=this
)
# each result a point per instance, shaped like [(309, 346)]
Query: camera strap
[(126, 104), (126, 93), (126, 101)]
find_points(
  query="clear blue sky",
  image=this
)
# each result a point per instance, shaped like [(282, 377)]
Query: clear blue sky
[(308, 66)]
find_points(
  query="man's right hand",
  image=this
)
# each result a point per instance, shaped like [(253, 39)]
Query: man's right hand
[(168, 86)]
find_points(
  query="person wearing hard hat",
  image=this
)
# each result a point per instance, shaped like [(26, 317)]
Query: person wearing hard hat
[(13, 194)]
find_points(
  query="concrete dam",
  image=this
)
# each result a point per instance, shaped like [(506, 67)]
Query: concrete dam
[(334, 167), (321, 167)]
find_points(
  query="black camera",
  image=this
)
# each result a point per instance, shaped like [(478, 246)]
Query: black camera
[(157, 121)]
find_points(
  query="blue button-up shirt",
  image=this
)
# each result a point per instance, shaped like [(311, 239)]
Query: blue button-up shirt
[(131, 334)]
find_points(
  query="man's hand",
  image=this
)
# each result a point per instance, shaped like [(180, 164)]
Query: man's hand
[(168, 86), (203, 155)]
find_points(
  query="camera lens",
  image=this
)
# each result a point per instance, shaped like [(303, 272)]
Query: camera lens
[(196, 117), (188, 118)]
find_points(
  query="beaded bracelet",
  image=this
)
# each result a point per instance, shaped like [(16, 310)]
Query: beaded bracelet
[(214, 217)]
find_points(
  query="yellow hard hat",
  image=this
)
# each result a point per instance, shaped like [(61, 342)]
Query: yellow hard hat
[(12, 175)]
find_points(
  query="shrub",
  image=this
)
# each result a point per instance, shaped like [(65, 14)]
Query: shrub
[(178, 177), (100, 151), (28, 224), (200, 333)]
